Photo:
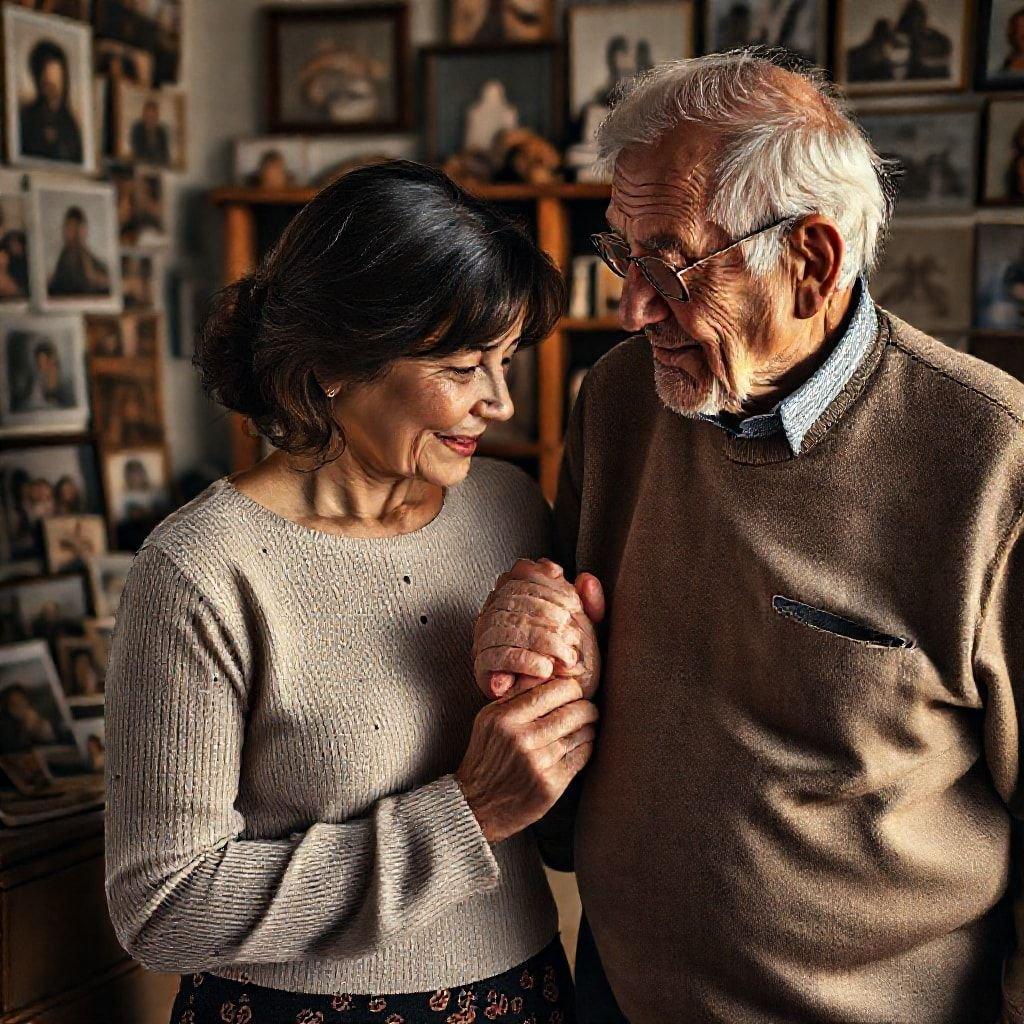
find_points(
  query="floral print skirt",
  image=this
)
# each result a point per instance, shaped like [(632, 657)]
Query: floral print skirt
[(538, 991)]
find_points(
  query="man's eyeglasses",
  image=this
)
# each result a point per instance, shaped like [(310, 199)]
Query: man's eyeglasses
[(665, 278)]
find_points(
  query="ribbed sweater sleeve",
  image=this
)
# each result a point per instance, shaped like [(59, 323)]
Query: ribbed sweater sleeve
[(186, 890)]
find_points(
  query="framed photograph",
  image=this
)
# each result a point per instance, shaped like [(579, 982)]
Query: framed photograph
[(475, 93), (115, 59), (138, 485), (34, 713), (799, 26), (124, 336), (71, 541), (327, 158), (149, 125), (276, 162), (999, 277), (127, 404), (107, 575), (937, 151), (1004, 152), (50, 608), (154, 26), (606, 46), (81, 672), (89, 736), (142, 273), (41, 481), (141, 204), (42, 375), (334, 69), (14, 280), (81, 10), (48, 83), (907, 46), (1000, 57), (924, 277), (500, 21), (73, 259)]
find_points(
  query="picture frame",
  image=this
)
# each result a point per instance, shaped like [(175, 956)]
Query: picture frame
[(999, 59), (133, 335), (922, 278), (879, 48), (115, 59), (329, 157), (149, 125), (476, 22), (799, 28), (34, 713), (81, 672), (127, 403), (937, 151), (42, 375), (144, 276), (273, 162), (337, 69), (487, 88), (14, 243), (1003, 163), (107, 576), (73, 255), (141, 198), (41, 132), (606, 45), (71, 541), (137, 483), (90, 737), (155, 27), (999, 277)]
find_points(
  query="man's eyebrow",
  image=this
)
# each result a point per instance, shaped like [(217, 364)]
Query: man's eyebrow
[(666, 242)]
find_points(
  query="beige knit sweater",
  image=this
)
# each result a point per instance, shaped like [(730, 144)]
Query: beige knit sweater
[(285, 708)]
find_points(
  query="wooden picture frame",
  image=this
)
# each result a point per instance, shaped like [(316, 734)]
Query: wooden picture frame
[(987, 79), (168, 149), (282, 113), (1000, 186)]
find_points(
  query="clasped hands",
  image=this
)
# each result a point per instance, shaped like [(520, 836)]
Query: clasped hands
[(536, 655)]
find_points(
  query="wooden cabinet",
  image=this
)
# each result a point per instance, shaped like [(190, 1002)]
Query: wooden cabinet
[(61, 961)]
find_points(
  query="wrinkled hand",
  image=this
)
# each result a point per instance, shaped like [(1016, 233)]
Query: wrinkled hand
[(523, 753), (536, 625)]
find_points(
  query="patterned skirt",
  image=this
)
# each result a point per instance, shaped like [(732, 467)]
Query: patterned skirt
[(538, 991)]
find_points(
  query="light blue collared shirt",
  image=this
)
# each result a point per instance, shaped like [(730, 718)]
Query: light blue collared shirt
[(798, 412)]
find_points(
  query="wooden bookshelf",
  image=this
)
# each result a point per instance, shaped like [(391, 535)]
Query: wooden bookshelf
[(552, 205)]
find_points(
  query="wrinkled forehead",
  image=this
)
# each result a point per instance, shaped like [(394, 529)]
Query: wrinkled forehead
[(661, 190)]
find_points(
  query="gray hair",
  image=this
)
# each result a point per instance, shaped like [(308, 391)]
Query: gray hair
[(789, 148)]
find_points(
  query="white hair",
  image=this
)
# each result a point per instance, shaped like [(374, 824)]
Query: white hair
[(788, 148)]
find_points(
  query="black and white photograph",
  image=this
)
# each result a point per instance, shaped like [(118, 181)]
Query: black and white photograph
[(999, 277), (141, 204), (487, 91), (606, 46), (14, 279), (1000, 63), (904, 46), (107, 575), (48, 84), (274, 162), (73, 258), (42, 374), (337, 69), (143, 276), (924, 276), (41, 481), (88, 733), (937, 155), (149, 125), (47, 608), (500, 21), (71, 541), (81, 671), (1004, 152), (154, 26), (34, 712), (799, 26), (137, 485)]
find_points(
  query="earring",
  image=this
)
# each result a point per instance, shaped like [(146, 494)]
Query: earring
[(332, 392)]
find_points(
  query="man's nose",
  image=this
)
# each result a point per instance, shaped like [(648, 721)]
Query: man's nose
[(641, 303)]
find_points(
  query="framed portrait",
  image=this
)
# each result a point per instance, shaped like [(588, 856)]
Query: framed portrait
[(475, 93), (89, 736), (924, 277), (70, 541), (335, 69), (125, 336), (937, 152), (34, 713), (500, 21), (1004, 152), (275, 162), (42, 375), (115, 59), (799, 26), (999, 277), (137, 485), (606, 46), (81, 671), (107, 576), (14, 278), (906, 46), (73, 259), (49, 99), (127, 405), (37, 482), (81, 10), (154, 27), (142, 273), (1000, 57), (149, 125), (141, 204)]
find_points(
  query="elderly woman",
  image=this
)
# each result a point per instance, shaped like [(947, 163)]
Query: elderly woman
[(312, 814)]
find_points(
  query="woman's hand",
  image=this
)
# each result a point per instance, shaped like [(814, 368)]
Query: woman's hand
[(523, 753), (536, 624)]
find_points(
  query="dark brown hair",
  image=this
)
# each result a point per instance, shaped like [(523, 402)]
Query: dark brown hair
[(389, 261)]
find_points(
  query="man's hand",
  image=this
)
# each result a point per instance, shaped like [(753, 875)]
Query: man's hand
[(536, 625)]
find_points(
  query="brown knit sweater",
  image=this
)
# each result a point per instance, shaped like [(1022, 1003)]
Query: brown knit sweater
[(792, 817)]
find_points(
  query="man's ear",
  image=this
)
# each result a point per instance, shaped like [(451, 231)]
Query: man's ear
[(817, 250)]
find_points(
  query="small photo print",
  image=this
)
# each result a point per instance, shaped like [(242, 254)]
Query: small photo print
[(274, 163), (1001, 65), (42, 375), (127, 410), (72, 541), (137, 485), (90, 739), (50, 609), (14, 279), (107, 576), (81, 671), (798, 26), (141, 205), (1000, 277), (142, 274), (115, 59), (34, 714), (149, 125), (1004, 152)]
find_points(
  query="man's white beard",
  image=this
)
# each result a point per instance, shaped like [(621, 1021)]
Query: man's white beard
[(677, 392)]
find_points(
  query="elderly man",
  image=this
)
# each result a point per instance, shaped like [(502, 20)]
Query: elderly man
[(807, 519)]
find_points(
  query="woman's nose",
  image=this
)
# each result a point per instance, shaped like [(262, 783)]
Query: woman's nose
[(497, 404)]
